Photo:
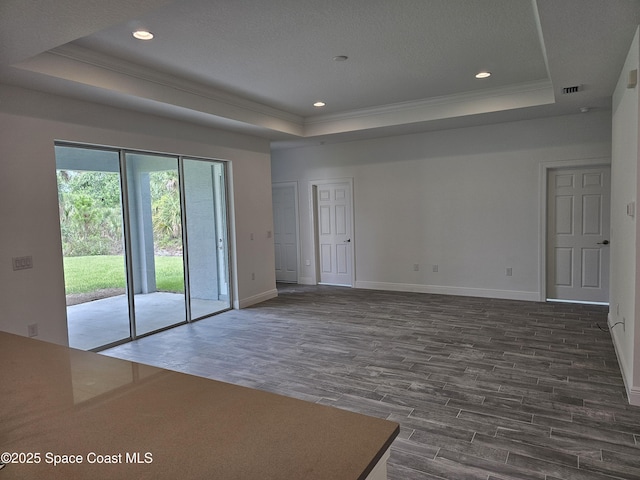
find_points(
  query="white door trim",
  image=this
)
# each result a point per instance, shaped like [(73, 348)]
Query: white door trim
[(313, 186), (297, 227), (542, 220)]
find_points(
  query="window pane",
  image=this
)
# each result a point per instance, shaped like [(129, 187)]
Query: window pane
[(156, 241), (90, 209), (205, 204)]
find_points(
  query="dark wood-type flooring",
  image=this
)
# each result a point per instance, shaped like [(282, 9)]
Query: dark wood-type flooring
[(482, 388)]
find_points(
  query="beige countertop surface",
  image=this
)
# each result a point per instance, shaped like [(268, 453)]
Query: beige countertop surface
[(126, 420)]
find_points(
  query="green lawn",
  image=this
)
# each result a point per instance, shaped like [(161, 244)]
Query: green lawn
[(88, 274)]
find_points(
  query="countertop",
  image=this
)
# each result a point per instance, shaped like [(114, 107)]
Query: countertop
[(122, 419)]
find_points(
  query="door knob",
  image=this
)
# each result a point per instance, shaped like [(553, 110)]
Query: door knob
[(347, 241), (604, 242)]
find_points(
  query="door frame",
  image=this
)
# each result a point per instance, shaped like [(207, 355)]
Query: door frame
[(297, 215), (545, 169), (313, 210)]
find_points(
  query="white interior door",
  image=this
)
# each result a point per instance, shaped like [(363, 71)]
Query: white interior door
[(578, 209), (285, 233), (334, 233)]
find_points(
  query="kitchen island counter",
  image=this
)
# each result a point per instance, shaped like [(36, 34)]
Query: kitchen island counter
[(67, 413)]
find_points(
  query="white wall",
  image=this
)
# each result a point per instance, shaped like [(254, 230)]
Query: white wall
[(466, 200), (30, 122), (625, 299)]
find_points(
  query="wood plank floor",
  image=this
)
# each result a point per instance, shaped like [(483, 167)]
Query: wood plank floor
[(482, 388)]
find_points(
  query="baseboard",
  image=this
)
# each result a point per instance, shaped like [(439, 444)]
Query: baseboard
[(306, 281), (444, 290), (633, 393), (261, 297)]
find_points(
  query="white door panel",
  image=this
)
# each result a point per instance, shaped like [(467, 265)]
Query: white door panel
[(334, 231), (577, 234), (285, 233)]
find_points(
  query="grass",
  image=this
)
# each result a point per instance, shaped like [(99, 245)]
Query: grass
[(97, 272)]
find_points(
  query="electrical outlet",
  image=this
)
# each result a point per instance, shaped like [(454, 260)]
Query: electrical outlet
[(253, 276), (509, 272), (435, 268), (416, 267), (32, 330)]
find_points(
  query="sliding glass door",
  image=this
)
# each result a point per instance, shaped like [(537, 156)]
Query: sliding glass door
[(205, 205), (153, 229)]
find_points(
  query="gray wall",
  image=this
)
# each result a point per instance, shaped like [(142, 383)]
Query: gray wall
[(467, 200), (625, 297)]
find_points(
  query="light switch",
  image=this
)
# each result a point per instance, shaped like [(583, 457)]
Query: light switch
[(22, 263), (631, 209)]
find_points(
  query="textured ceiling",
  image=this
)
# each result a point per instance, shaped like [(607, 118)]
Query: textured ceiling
[(398, 50), (258, 65), (29, 28)]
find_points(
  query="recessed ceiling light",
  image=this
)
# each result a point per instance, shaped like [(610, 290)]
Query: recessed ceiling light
[(340, 58), (143, 35), (483, 74), (319, 104)]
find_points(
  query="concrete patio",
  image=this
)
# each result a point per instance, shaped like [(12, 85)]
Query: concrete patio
[(101, 322)]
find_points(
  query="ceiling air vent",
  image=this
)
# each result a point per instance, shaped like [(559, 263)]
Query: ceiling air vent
[(574, 89)]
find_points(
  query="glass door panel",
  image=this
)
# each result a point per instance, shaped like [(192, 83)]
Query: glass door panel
[(90, 206), (156, 272), (206, 226)]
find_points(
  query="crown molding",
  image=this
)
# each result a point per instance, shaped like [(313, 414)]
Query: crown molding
[(124, 67), (436, 108), (85, 66)]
